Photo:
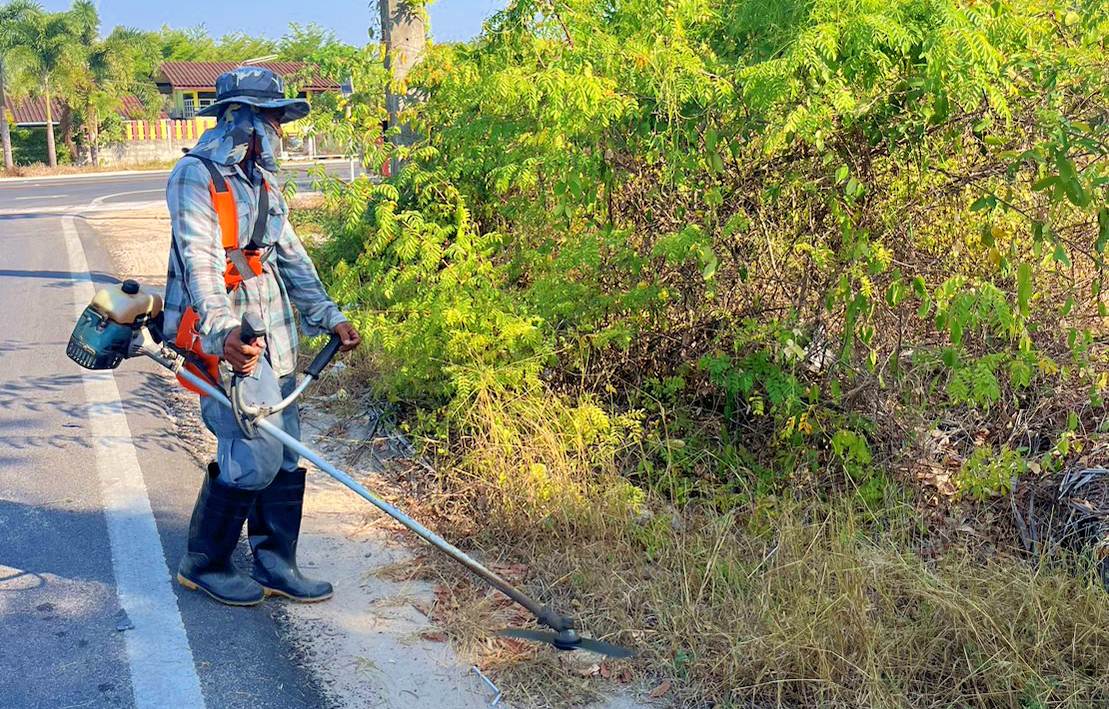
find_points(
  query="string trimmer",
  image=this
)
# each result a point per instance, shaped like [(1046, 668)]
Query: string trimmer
[(122, 322)]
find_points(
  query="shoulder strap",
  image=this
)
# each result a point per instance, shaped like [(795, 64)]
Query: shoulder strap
[(262, 217), (223, 201)]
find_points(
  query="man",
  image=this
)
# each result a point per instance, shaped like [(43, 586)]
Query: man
[(234, 252)]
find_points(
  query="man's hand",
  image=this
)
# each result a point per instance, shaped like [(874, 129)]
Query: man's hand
[(348, 336), (243, 358)]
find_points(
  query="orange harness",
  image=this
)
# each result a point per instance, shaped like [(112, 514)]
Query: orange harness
[(241, 265)]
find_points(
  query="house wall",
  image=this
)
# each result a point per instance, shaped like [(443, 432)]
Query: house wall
[(154, 141)]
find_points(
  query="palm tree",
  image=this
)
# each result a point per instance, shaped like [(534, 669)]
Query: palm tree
[(107, 76), (50, 41), (12, 22)]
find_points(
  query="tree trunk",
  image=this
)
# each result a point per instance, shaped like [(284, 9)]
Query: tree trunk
[(94, 134), (51, 151), (68, 139), (5, 132), (404, 34)]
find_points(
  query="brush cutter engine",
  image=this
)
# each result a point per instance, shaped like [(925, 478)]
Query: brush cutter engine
[(124, 321), (111, 327)]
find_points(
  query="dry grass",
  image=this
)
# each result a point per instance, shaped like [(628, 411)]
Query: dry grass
[(819, 612), (784, 603), (41, 170)]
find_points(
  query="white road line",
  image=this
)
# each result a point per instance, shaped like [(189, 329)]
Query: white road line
[(38, 196), (81, 209), (100, 200), (161, 662)]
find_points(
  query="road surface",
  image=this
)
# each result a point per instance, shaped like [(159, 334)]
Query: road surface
[(53, 195), (95, 493)]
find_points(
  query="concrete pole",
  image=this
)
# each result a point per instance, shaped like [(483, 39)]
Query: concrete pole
[(404, 34)]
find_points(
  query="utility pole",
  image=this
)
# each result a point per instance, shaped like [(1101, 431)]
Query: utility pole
[(404, 34)]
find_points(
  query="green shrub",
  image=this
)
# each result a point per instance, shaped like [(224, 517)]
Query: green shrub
[(29, 147), (990, 473)]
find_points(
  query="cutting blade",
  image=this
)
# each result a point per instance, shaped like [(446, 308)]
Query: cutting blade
[(545, 636)]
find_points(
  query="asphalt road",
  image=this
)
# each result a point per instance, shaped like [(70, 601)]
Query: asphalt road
[(57, 195), (96, 489)]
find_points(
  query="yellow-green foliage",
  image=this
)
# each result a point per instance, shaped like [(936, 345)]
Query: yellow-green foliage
[(804, 195), (704, 251)]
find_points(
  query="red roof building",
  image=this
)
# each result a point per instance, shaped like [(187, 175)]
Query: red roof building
[(31, 112)]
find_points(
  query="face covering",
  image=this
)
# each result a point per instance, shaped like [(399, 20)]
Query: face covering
[(226, 143)]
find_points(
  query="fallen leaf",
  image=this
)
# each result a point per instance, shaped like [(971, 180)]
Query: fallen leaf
[(659, 690), (589, 671), (435, 636)]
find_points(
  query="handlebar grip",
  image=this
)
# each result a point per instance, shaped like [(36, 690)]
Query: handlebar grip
[(324, 357), (251, 328)]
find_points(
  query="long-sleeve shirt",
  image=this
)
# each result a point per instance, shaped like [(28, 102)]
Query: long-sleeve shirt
[(197, 262)]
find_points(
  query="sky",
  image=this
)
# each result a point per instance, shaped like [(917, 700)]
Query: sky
[(451, 20)]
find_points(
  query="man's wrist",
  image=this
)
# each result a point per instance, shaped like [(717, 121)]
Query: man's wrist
[(336, 320), (216, 341)]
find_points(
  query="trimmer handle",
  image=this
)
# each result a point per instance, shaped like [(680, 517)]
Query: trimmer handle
[(324, 357), (251, 328)]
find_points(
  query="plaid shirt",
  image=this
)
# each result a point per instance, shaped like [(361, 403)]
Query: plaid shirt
[(197, 262)]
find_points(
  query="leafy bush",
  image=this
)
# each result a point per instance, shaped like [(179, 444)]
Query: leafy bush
[(29, 147), (779, 242), (988, 473)]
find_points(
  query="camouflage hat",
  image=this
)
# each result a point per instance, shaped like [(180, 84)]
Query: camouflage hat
[(255, 86)]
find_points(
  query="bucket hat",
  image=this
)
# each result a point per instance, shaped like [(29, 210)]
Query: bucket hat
[(255, 86)]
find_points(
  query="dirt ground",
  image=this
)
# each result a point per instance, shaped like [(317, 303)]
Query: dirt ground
[(373, 644)]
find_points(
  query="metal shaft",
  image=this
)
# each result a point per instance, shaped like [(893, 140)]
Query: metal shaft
[(543, 614)]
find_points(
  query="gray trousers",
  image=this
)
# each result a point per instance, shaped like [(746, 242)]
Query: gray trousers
[(252, 463)]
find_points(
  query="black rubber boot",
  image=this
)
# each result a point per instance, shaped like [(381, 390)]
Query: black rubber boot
[(274, 527), (213, 533)]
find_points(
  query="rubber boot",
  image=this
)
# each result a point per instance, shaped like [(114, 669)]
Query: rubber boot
[(213, 533), (274, 527)]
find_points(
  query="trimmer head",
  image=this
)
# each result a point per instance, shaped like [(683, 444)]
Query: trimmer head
[(567, 640)]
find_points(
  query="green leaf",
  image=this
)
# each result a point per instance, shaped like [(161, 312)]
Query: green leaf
[(987, 235), (987, 202), (841, 174), (1024, 288), (1045, 183), (716, 161), (1068, 306), (1020, 373), (1038, 231), (710, 268), (1060, 255), (711, 138), (1102, 229), (919, 287), (1078, 196)]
